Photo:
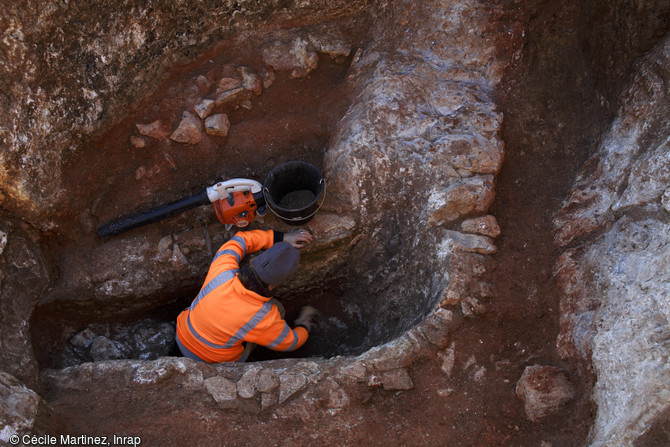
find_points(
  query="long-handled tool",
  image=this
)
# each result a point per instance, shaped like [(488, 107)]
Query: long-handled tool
[(236, 201)]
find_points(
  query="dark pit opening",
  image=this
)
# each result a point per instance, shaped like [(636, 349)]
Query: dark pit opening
[(348, 323)]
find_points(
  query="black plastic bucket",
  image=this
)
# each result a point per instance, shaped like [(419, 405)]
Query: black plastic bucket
[(294, 191)]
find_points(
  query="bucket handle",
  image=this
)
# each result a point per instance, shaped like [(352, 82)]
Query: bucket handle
[(300, 218)]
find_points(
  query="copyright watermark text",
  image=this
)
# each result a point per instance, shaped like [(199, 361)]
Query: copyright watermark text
[(114, 440)]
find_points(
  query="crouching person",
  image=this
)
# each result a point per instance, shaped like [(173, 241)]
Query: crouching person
[(235, 304)]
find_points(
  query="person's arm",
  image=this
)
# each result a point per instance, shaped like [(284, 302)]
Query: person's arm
[(276, 334), (235, 249)]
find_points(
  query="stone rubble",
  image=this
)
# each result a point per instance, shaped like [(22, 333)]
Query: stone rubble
[(296, 56), (217, 125), (204, 108), (145, 339), (189, 130), (156, 129)]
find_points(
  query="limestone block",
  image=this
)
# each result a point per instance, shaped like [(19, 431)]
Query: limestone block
[(246, 386), (329, 228), (470, 195), (227, 83), (335, 397), (146, 373), (18, 409), (138, 142), (250, 80), (330, 42), (437, 326), (544, 390), (269, 400), (204, 108), (448, 358), (485, 225), (222, 390), (289, 384), (203, 83), (230, 97), (296, 56), (469, 243), (156, 129), (267, 381), (217, 125), (24, 280), (189, 130)]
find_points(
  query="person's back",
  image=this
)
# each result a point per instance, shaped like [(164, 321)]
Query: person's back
[(235, 306)]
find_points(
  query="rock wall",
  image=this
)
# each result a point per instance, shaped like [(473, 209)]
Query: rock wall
[(417, 154), (615, 230)]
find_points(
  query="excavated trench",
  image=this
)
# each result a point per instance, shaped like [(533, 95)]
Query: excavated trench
[(401, 135), (292, 118)]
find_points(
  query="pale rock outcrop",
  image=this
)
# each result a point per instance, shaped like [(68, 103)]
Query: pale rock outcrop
[(23, 279), (615, 272)]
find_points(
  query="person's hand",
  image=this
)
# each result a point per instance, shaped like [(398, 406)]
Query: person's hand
[(307, 313), (298, 238)]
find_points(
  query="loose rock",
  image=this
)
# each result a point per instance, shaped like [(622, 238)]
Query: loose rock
[(471, 195), (138, 142), (226, 84), (289, 384), (246, 386), (103, 348), (544, 390), (217, 125), (189, 130), (155, 129), (83, 339), (297, 57), (230, 97), (250, 80), (204, 108)]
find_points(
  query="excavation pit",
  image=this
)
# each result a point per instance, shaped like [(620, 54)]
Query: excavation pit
[(405, 121)]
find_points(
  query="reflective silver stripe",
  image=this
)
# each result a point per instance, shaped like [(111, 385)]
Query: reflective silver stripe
[(228, 252), (295, 341), (249, 325), (213, 284), (200, 337), (242, 243), (280, 339)]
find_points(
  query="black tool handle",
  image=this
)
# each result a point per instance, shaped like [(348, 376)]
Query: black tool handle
[(154, 214)]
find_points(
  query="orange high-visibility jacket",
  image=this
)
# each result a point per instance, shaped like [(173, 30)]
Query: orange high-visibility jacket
[(225, 313)]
